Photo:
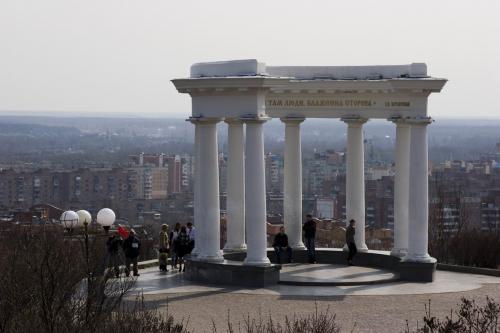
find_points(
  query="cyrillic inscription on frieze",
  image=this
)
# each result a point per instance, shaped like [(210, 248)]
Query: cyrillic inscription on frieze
[(327, 103)]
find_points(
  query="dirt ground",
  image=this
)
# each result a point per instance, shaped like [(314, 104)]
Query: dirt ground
[(354, 313)]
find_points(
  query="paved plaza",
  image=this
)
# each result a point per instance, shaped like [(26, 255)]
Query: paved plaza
[(381, 307)]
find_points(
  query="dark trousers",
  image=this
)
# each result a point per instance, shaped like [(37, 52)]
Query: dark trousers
[(173, 259), (278, 250), (129, 261), (162, 259), (114, 262), (311, 250), (352, 251)]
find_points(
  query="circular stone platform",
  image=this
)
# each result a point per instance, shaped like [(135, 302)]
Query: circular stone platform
[(333, 275), (153, 282)]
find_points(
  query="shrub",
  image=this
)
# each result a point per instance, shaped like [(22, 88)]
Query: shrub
[(318, 322), (470, 317)]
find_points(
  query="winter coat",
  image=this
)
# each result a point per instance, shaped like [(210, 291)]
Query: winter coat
[(182, 245), (349, 234), (164, 243), (309, 229), (113, 244), (280, 240), (132, 247)]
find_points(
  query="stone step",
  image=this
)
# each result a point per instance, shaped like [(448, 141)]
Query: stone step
[(334, 275)]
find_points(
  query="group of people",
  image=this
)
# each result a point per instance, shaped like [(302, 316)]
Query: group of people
[(131, 246), (181, 241), (178, 243), (280, 243)]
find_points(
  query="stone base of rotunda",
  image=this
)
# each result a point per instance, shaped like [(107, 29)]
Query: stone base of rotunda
[(416, 271), (232, 273), (406, 271)]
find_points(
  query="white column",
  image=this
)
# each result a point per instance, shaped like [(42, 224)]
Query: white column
[(419, 193), (401, 188), (208, 195), (235, 202), (198, 222), (355, 179), (292, 187), (255, 194)]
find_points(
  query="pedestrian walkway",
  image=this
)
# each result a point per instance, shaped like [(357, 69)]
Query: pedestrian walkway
[(152, 282)]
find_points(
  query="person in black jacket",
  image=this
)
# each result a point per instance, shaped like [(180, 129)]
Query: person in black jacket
[(280, 244), (351, 243), (113, 245), (309, 229), (172, 237), (132, 248), (182, 247)]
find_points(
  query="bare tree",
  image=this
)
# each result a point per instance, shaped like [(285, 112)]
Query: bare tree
[(47, 285), (453, 237)]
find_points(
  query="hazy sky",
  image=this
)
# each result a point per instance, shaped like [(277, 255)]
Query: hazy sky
[(118, 56)]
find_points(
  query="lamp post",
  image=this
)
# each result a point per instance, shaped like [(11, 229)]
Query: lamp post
[(106, 217), (84, 219)]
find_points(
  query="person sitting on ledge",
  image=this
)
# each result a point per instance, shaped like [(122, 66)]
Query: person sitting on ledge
[(280, 244)]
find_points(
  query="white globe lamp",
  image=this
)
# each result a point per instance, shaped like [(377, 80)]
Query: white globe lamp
[(106, 217), (84, 218), (69, 219)]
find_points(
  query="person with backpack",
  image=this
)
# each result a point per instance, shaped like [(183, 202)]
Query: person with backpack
[(163, 248), (113, 245), (132, 248), (182, 247), (172, 238)]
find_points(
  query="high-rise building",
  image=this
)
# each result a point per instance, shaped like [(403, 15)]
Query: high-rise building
[(222, 173), (274, 173), (490, 217), (174, 174), (187, 173), (315, 172), (152, 174)]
